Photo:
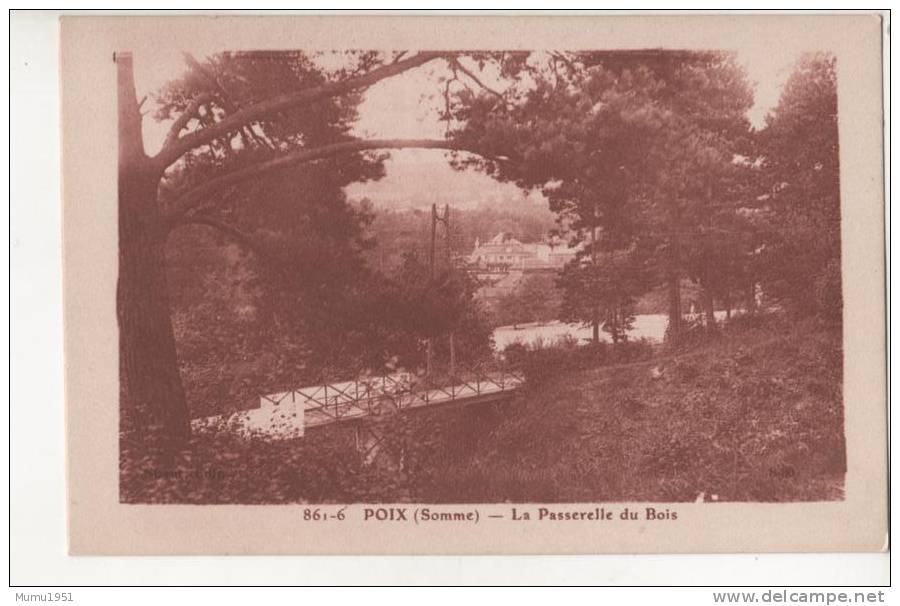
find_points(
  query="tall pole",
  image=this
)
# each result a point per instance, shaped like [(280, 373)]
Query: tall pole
[(433, 234), (447, 241), (449, 262), (428, 352)]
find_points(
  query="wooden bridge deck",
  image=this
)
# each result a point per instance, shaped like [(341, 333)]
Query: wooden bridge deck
[(289, 414)]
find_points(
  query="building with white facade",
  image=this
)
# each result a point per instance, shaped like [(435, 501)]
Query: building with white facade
[(504, 253)]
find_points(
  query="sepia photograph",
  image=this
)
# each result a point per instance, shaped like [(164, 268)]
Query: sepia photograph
[(589, 276), (530, 276)]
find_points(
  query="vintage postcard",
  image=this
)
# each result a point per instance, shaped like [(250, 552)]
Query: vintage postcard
[(431, 284)]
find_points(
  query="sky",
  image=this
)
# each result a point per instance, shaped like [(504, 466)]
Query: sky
[(395, 108)]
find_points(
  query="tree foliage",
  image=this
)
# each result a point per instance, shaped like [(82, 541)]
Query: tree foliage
[(253, 305), (235, 118), (534, 299), (636, 154), (303, 284), (800, 167)]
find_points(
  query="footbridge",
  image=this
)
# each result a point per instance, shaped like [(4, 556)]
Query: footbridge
[(290, 414)]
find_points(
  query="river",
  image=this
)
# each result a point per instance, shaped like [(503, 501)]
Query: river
[(646, 326)]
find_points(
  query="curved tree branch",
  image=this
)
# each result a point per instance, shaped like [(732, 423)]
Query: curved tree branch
[(170, 153), (197, 195), (223, 98), (186, 116), (210, 77), (477, 80)]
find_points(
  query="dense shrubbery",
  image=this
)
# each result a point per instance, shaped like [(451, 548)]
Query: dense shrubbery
[(322, 467), (542, 360), (535, 299)]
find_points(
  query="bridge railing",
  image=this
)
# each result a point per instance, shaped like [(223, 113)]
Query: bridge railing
[(385, 394)]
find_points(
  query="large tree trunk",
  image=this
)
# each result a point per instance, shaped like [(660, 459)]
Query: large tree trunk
[(709, 309), (595, 311), (674, 330), (614, 325), (751, 297), (709, 306), (153, 402), (673, 275)]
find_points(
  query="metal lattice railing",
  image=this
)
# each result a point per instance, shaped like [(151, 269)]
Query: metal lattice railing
[(289, 413)]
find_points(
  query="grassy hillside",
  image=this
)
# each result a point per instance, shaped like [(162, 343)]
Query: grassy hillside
[(754, 415)]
